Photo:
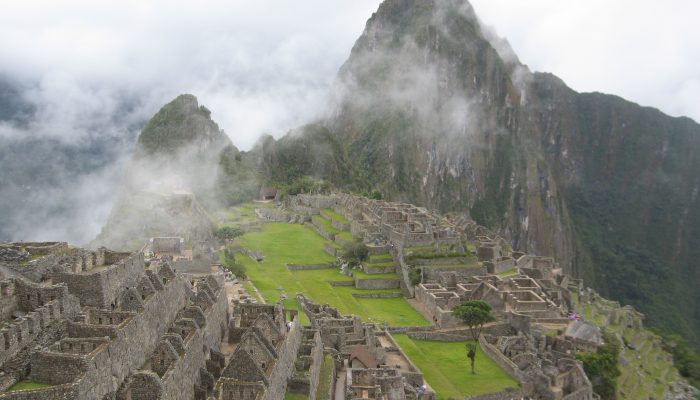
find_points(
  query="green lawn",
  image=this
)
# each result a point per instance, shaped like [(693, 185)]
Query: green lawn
[(283, 243), (335, 216), (26, 385), (446, 368)]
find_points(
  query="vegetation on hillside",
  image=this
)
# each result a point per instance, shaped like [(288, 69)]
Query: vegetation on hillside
[(228, 260), (602, 368), (684, 358)]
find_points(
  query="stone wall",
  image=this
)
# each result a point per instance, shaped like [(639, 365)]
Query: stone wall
[(377, 295), (273, 214), (433, 272), (105, 369), (318, 226), (101, 286), (496, 267), (31, 296), (379, 270), (408, 288), (341, 283), (500, 359), (39, 248), (377, 283), (330, 249), (306, 374), (342, 242), (284, 366), (8, 299), (22, 333), (508, 394)]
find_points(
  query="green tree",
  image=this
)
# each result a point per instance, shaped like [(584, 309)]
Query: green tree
[(227, 233), (229, 262), (474, 313), (355, 253)]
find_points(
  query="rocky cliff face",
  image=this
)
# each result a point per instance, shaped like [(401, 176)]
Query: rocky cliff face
[(431, 109)]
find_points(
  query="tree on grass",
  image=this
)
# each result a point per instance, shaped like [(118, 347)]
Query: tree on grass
[(474, 313), (355, 253), (227, 233)]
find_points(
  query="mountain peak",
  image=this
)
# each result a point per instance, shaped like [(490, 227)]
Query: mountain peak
[(178, 125)]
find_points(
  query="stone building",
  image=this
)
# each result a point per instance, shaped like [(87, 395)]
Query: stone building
[(101, 325), (373, 365)]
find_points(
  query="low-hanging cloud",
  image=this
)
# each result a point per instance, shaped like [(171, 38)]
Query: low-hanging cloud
[(89, 74), (86, 76), (643, 50)]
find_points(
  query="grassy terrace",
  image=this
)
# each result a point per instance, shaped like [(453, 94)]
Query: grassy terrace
[(347, 236), (294, 396), (379, 264), (26, 385), (240, 215), (283, 244), (326, 224), (361, 275), (510, 272), (446, 368), (324, 382), (373, 258), (467, 265), (336, 216)]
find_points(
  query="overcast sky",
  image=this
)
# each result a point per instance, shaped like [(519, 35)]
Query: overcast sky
[(264, 66)]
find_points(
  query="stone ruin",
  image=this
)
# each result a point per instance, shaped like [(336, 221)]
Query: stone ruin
[(101, 325), (197, 260), (266, 350), (545, 366), (364, 354)]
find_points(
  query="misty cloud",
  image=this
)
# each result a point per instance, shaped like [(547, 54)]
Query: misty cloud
[(645, 51), (90, 74)]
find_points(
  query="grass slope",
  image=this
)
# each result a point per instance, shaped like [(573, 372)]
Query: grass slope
[(26, 385), (446, 368), (283, 244)]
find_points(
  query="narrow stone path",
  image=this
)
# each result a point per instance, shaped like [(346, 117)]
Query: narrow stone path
[(340, 385)]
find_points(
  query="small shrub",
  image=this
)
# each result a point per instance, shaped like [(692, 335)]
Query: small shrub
[(415, 276), (230, 263)]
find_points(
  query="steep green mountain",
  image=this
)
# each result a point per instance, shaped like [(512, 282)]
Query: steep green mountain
[(431, 108), (182, 167)]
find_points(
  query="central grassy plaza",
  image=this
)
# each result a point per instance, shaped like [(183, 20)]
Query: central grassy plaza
[(444, 365), (283, 244), (446, 368)]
